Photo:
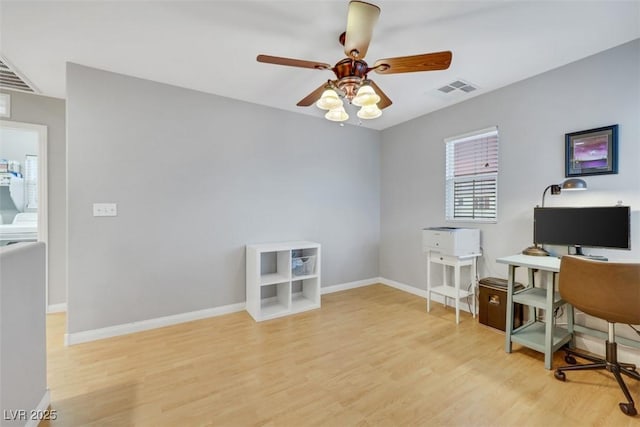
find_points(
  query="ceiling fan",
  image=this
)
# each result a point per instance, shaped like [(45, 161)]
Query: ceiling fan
[(352, 82)]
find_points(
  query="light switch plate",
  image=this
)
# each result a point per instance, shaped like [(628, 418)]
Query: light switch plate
[(105, 209)]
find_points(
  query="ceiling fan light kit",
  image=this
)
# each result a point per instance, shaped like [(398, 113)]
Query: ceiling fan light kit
[(329, 100), (337, 115), (366, 96), (369, 112), (351, 81)]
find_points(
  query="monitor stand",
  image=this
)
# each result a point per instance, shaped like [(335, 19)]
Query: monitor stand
[(578, 252)]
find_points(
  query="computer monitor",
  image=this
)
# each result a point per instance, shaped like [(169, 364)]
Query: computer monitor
[(600, 227)]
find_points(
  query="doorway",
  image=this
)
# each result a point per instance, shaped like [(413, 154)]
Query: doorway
[(23, 186)]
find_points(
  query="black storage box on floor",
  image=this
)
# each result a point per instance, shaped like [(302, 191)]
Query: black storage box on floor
[(493, 303)]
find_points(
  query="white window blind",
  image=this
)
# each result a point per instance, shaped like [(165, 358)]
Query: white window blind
[(31, 181), (472, 176)]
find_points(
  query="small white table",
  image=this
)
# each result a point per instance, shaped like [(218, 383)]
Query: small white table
[(544, 337), (446, 290)]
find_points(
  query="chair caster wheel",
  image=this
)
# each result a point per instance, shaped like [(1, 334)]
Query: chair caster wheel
[(628, 409), (570, 359), (562, 377)]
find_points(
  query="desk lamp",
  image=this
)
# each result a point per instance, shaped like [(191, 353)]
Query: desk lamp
[(571, 184)]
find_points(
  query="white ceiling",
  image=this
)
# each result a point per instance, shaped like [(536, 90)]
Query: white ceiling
[(211, 46)]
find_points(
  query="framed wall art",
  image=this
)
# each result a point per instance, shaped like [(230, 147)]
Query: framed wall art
[(592, 152)]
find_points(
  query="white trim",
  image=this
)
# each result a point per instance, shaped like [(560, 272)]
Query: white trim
[(583, 342), (57, 308), (403, 287), (41, 408), (473, 134), (144, 325), (597, 346), (419, 292), (350, 285), (43, 205), (160, 322)]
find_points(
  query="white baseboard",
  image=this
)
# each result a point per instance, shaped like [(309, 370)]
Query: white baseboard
[(57, 308), (583, 342), (40, 409), (419, 292), (144, 325), (597, 346), (349, 285), (404, 287)]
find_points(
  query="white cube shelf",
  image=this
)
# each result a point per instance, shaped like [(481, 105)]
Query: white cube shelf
[(282, 279)]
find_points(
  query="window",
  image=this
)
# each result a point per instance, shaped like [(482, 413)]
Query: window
[(472, 176), (5, 105), (31, 181)]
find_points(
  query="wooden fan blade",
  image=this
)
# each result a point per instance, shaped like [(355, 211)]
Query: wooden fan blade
[(312, 97), (360, 22), (409, 64), (384, 99), (292, 62)]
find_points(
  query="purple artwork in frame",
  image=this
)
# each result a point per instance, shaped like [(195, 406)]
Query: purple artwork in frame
[(592, 152)]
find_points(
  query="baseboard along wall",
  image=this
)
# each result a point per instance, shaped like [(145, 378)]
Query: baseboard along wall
[(57, 308), (160, 322), (591, 344)]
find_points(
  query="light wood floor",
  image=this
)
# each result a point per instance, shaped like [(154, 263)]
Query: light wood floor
[(369, 356)]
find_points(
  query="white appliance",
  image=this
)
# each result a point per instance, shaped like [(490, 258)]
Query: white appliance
[(451, 240), (16, 191), (24, 227)]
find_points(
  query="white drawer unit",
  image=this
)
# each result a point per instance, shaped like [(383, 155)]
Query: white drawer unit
[(451, 241), (453, 249)]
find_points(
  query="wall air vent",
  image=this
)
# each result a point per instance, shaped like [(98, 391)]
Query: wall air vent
[(458, 85), (11, 79)]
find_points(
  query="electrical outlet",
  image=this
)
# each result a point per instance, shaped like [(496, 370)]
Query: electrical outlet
[(105, 209)]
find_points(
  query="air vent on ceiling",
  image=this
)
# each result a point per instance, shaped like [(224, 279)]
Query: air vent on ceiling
[(10, 79), (458, 85)]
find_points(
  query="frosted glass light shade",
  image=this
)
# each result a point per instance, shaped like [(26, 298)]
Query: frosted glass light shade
[(329, 100), (366, 96), (369, 112), (337, 115)]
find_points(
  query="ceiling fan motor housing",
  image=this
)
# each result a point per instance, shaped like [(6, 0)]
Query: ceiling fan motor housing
[(350, 73)]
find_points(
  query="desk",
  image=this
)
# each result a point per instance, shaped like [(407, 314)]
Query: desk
[(544, 337)]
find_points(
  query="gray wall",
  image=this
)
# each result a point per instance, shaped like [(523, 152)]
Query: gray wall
[(533, 116), (17, 144), (42, 110), (23, 358), (197, 177)]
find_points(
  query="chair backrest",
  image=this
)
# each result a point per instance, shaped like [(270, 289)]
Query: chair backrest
[(607, 290)]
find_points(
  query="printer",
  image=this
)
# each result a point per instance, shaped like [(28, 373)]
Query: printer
[(451, 241)]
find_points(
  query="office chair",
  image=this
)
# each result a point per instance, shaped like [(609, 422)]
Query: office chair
[(609, 291)]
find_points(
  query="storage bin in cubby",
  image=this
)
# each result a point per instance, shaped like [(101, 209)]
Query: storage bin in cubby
[(303, 266)]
